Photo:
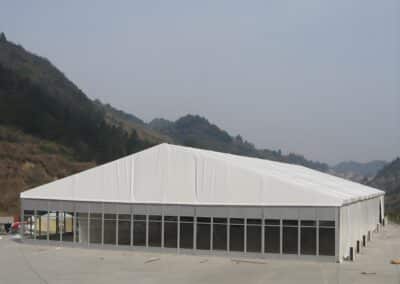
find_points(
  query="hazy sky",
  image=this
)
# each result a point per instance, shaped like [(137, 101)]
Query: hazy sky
[(320, 78)]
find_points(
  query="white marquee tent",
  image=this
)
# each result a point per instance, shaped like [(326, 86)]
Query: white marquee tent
[(191, 194)]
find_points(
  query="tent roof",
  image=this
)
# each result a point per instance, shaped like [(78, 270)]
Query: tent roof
[(170, 174)]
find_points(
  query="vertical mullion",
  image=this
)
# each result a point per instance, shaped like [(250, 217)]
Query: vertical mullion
[(40, 225), (162, 228), (178, 243), (262, 234), (211, 233), (228, 236), (337, 234), (35, 216), (116, 228), (60, 227), (147, 229), (88, 224), (64, 226), (280, 236), (48, 223), (102, 224), (74, 226), (298, 236), (317, 242), (195, 230), (131, 229), (245, 236)]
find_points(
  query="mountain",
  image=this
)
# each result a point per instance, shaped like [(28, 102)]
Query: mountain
[(27, 161), (197, 131), (361, 172), (130, 123), (50, 129), (388, 179), (38, 99)]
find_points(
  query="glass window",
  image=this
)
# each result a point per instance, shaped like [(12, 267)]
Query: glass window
[(236, 234), (95, 228), (203, 233), (54, 226), (155, 231), (220, 220), (186, 232), (67, 226), (272, 236), (327, 223), (139, 217), (170, 218), (308, 237), (273, 222), (139, 230), (82, 228), (110, 229), (41, 225), (29, 224), (326, 236), (290, 236), (219, 234), (155, 218), (124, 229), (253, 241), (170, 231)]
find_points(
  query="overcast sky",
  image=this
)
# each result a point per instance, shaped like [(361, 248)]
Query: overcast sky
[(320, 78)]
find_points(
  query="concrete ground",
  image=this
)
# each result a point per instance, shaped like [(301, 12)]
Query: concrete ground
[(27, 263)]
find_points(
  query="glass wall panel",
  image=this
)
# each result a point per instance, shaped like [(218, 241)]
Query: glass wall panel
[(110, 229), (308, 237), (29, 224), (41, 225), (139, 230), (290, 236), (82, 228), (155, 231), (95, 228), (253, 241), (186, 232), (66, 224), (170, 231), (327, 238), (124, 229), (236, 234), (54, 225), (272, 235), (203, 233), (219, 234)]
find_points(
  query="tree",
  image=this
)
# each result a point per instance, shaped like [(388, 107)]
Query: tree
[(3, 37)]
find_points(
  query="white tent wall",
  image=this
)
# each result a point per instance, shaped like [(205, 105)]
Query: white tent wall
[(182, 175), (356, 220), (175, 181)]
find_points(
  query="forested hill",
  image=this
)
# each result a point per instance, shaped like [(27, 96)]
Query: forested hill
[(49, 128), (388, 179), (38, 99), (196, 131)]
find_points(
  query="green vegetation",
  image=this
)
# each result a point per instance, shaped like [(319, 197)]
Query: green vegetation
[(40, 100), (50, 129), (130, 123), (388, 179), (198, 132), (27, 161)]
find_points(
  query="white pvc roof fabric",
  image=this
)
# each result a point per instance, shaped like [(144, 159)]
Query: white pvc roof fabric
[(170, 174)]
